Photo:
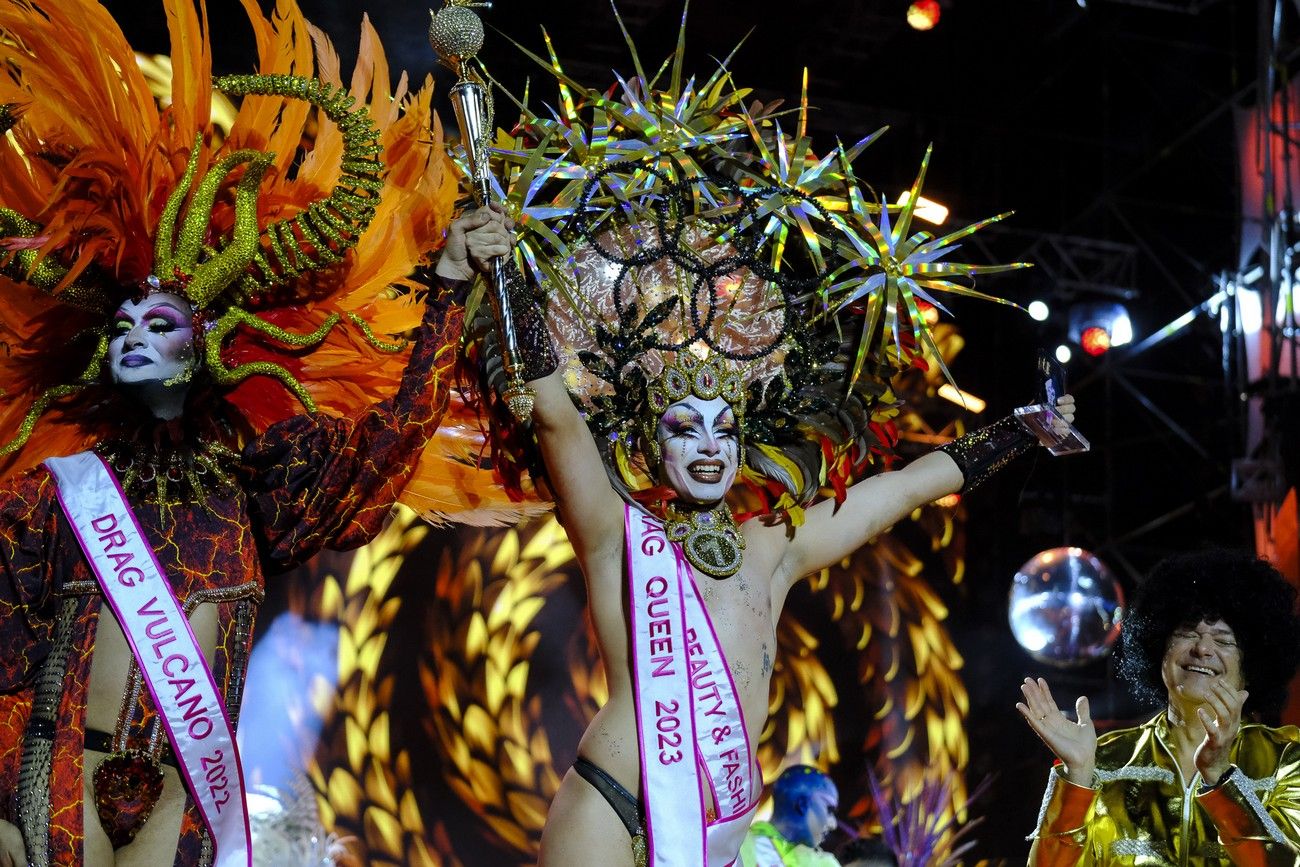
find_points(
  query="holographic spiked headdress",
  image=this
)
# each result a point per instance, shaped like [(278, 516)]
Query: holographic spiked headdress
[(663, 217)]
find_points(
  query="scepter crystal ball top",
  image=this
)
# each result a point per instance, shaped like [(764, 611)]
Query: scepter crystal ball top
[(456, 32)]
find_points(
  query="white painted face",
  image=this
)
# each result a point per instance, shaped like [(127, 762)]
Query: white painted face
[(699, 442), (1198, 656), (821, 813), (151, 347)]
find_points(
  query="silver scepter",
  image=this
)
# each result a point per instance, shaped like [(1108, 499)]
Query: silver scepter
[(456, 34)]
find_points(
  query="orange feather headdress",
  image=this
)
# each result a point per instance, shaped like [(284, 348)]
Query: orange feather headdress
[(316, 208)]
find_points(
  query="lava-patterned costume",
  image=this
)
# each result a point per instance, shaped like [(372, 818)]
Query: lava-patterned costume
[(296, 227), (308, 482)]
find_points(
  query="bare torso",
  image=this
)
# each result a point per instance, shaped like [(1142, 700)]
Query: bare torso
[(742, 610), (109, 668)]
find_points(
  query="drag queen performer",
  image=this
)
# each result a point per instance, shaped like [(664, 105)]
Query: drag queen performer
[(643, 592), (173, 297), (701, 276)]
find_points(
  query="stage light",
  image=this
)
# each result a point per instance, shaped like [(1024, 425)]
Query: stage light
[(1121, 331), (1063, 354), (1250, 311), (948, 391), (926, 209), (923, 14), (1094, 340), (1098, 326), (1039, 311)]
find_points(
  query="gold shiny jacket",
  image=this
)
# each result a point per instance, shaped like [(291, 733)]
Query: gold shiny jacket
[(1140, 811)]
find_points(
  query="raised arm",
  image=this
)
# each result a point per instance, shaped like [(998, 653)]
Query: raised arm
[(590, 509), (315, 481), (1063, 837), (833, 531)]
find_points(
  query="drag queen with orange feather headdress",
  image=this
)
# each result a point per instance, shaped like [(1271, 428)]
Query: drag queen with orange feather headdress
[(190, 322)]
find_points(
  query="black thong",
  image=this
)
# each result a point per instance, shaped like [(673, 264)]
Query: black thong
[(625, 805)]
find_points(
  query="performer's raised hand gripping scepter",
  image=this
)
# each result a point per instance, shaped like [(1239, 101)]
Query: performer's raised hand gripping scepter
[(456, 34)]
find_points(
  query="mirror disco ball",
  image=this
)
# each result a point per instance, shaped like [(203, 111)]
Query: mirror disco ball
[(1065, 607)]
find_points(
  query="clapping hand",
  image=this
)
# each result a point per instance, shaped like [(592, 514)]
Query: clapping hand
[(1221, 717), (1074, 743)]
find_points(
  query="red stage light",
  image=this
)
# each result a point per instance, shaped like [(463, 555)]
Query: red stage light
[(1095, 340), (923, 14)]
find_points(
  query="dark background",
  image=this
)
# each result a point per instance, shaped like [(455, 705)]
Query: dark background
[(1108, 128)]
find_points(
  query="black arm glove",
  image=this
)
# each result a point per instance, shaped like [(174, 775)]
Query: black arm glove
[(983, 452)]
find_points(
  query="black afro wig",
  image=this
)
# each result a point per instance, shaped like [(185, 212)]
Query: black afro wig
[(1237, 587)]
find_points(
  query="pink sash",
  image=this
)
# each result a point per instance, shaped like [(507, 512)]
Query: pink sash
[(173, 666), (689, 721)]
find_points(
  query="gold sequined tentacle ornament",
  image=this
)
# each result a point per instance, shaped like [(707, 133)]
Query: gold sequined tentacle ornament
[(319, 235), (27, 264), (316, 238), (369, 334), (235, 317), (203, 282)]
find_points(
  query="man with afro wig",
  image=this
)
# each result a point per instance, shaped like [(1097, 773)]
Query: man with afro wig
[(1214, 638)]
